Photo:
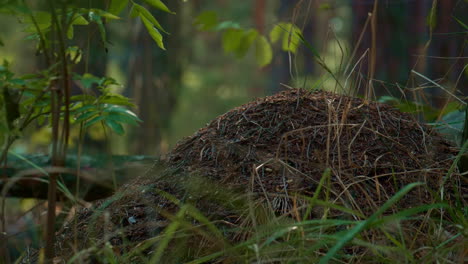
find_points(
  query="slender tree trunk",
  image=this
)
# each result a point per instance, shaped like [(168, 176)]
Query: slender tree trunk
[(155, 77)]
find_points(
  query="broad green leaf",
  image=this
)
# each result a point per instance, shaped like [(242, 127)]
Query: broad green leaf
[(119, 118), (70, 32), (122, 111), (87, 80), (40, 17), (116, 127), (154, 33), (277, 32), (94, 121), (116, 99), (231, 39), (134, 12), (206, 20), (227, 25), (29, 76), (18, 81), (108, 81), (42, 20), (86, 116), (85, 108), (107, 15), (116, 6), (143, 12), (247, 40), (289, 34), (74, 53), (79, 20), (94, 17), (159, 5), (291, 38)]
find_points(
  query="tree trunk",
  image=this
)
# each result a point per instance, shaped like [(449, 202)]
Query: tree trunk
[(154, 81)]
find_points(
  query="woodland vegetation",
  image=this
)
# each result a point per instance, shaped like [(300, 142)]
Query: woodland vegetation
[(225, 131)]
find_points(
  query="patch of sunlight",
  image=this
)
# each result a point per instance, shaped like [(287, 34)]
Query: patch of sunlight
[(331, 85), (115, 71), (334, 55), (43, 136), (227, 92), (95, 132), (310, 82), (191, 80), (27, 204)]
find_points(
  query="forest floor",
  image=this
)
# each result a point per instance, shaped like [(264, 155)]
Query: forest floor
[(296, 159)]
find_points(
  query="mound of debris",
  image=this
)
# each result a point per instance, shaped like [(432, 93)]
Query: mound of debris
[(269, 153), (282, 144)]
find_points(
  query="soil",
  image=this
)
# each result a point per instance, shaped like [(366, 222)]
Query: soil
[(272, 151)]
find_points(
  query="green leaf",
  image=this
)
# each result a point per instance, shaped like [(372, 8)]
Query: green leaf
[(40, 17), (86, 116), (122, 118), (79, 20), (74, 53), (289, 34), (154, 33), (247, 40), (87, 80), (121, 111), (263, 51), (17, 81), (70, 32), (42, 20), (116, 127), (116, 6), (206, 20), (143, 12), (227, 25), (94, 120), (291, 38), (277, 32), (134, 12), (231, 39), (159, 5), (94, 17), (116, 99), (107, 15), (1, 43), (85, 108)]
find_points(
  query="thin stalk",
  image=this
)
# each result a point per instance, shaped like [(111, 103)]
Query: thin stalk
[(59, 144), (373, 51)]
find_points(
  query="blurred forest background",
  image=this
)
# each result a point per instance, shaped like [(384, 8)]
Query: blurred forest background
[(179, 90)]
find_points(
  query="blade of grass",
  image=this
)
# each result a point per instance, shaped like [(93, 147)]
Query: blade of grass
[(169, 234), (364, 224)]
